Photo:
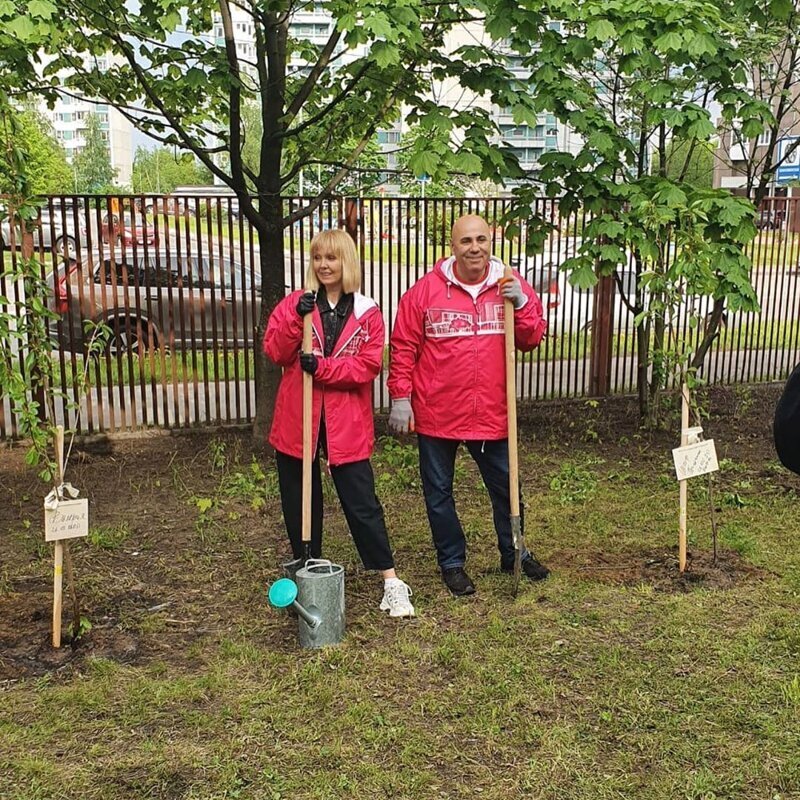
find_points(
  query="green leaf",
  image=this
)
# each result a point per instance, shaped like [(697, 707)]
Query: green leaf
[(41, 8), (385, 54), (600, 30), (672, 40), (379, 25), (21, 27), (424, 163)]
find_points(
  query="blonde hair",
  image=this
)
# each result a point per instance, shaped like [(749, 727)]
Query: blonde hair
[(342, 246)]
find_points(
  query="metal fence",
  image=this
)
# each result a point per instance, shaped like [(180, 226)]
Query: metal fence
[(177, 279)]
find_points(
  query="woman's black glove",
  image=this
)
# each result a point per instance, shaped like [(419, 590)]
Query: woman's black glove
[(305, 305), (308, 363)]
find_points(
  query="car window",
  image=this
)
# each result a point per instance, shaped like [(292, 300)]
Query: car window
[(112, 272)]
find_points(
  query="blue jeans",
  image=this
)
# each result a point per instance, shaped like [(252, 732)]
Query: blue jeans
[(437, 459)]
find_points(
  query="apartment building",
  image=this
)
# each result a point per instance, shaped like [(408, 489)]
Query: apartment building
[(315, 24), (68, 118)]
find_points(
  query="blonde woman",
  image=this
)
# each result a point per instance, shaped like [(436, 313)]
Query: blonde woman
[(346, 358)]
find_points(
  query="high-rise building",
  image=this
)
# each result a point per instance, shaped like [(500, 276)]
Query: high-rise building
[(314, 24), (69, 116)]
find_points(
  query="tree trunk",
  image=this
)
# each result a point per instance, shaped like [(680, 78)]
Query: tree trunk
[(273, 289)]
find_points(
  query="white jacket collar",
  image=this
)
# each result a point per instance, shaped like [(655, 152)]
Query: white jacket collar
[(362, 304)]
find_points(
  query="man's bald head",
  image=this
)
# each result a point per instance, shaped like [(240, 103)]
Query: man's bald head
[(471, 241)]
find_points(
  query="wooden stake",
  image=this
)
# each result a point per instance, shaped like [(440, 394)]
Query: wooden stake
[(513, 461), (683, 484), (58, 550), (308, 436)]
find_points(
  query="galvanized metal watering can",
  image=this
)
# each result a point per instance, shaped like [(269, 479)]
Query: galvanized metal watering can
[(317, 595)]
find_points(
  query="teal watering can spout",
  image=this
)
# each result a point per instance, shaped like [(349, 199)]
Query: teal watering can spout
[(283, 593)]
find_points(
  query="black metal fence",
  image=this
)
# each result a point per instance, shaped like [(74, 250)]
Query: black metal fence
[(177, 280)]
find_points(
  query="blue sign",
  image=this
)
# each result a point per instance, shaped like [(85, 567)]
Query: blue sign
[(789, 169)]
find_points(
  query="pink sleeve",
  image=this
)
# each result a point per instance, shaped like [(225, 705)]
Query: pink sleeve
[(408, 337), (284, 335), (529, 322)]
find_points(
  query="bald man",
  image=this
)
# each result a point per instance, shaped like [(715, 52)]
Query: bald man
[(447, 383)]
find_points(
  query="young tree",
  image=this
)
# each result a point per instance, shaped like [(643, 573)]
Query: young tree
[(160, 170), (46, 161), (92, 163), (629, 78), (686, 163), (192, 90)]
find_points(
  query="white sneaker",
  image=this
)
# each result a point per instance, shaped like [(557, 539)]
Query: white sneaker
[(396, 599)]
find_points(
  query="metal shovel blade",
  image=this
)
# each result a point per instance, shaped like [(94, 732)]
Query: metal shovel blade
[(516, 537)]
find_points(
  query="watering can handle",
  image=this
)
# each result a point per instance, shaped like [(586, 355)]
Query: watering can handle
[(319, 562)]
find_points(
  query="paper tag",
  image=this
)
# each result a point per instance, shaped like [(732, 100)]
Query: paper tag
[(68, 520), (692, 460)]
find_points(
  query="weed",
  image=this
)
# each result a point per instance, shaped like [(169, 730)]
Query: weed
[(84, 626), (252, 485), (397, 466), (109, 537), (791, 692), (204, 521), (574, 483), (216, 449)]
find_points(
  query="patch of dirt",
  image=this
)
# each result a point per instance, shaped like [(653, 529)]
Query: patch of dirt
[(173, 576), (661, 570)]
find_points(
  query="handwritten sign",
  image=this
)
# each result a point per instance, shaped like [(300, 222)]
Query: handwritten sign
[(692, 460), (68, 520)]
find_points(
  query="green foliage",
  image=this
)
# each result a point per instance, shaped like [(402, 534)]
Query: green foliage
[(109, 537), (690, 162), (252, 485), (396, 466), (160, 170), (47, 168), (92, 164), (574, 483), (632, 79)]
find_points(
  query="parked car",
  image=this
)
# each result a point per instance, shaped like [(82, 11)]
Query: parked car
[(56, 231), (567, 308), (163, 298), (129, 229)]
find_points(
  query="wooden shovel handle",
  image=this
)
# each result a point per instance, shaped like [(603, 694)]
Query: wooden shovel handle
[(511, 402), (308, 434)]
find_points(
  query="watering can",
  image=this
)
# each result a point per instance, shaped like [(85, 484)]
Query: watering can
[(317, 595)]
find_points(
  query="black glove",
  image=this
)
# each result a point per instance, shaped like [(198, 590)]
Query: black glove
[(305, 305), (308, 363)]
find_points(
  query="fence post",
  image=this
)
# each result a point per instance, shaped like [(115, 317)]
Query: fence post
[(602, 327), (351, 220)]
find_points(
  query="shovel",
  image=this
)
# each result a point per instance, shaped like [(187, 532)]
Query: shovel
[(308, 436), (513, 462)]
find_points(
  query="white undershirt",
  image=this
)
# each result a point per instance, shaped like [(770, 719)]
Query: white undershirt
[(473, 288)]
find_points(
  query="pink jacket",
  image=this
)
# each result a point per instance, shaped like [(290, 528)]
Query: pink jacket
[(448, 353), (342, 382)]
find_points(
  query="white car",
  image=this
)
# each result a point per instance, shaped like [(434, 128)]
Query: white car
[(56, 232)]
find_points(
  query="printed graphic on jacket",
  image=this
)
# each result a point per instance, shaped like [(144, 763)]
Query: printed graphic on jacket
[(352, 347), (444, 323)]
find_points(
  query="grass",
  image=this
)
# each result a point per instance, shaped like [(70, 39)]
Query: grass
[(579, 688)]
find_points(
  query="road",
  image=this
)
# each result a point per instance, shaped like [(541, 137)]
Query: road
[(187, 405)]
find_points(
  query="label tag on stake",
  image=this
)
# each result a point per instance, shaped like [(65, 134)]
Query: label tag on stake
[(65, 519), (696, 459)]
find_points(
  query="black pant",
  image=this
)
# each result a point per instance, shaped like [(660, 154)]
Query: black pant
[(355, 485)]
